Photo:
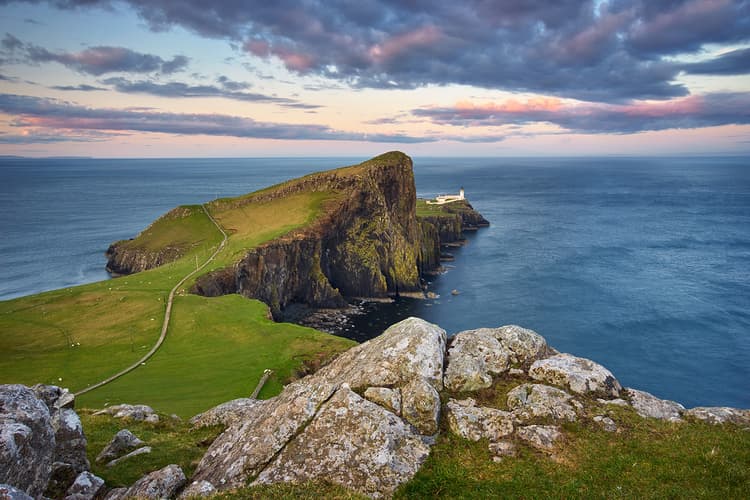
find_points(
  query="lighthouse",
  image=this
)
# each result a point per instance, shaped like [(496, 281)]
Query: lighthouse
[(461, 193)]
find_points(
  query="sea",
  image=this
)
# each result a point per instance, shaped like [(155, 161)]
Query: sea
[(641, 264)]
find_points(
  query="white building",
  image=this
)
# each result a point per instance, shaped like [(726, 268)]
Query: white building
[(447, 198)]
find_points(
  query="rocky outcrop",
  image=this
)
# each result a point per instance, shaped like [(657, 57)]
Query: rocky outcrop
[(133, 412), (122, 442), (42, 444), (719, 415), (163, 483), (27, 440), (473, 422), (475, 356), (406, 358), (530, 401), (8, 492), (225, 414), (648, 405), (580, 375), (85, 487), (542, 437)]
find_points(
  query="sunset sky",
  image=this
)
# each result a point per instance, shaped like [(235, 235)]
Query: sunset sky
[(150, 78)]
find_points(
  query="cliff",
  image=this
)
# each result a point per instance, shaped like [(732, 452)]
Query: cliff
[(366, 240)]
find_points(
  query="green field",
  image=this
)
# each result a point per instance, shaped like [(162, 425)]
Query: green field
[(216, 348)]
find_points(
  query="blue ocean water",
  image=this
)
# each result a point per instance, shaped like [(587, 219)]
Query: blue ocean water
[(642, 264)]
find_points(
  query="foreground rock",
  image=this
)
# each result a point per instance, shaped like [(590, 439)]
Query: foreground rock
[(134, 412), (648, 405), (719, 415), (122, 442), (309, 415), (8, 492), (85, 487), (536, 400), (163, 483), (352, 442), (580, 375), (473, 422), (475, 356), (225, 414)]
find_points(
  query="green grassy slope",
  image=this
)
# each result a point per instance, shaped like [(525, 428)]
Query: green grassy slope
[(77, 336)]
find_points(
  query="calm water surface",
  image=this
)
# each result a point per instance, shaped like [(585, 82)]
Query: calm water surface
[(641, 264)]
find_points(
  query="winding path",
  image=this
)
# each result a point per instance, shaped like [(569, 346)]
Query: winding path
[(167, 314)]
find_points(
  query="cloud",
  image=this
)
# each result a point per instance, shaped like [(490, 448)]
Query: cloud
[(596, 118), (80, 88), (225, 89), (606, 51), (95, 60), (736, 62), (40, 113)]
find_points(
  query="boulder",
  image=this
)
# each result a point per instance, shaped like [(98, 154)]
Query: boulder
[(27, 440), (606, 423), (144, 450), (580, 375), (719, 415), (198, 489), (410, 350), (63, 475), (85, 487), (54, 397), (390, 399), (8, 492), (354, 443), (524, 345), (536, 400), (501, 449), (225, 414), (70, 440), (473, 422), (421, 406), (135, 412), (542, 437), (648, 405), (473, 358), (116, 494), (122, 442), (163, 483)]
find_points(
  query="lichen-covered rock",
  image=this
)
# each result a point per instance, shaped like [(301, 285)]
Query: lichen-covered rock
[(70, 441), (116, 494), (421, 406), (390, 399), (8, 492), (27, 440), (54, 397), (607, 423), (648, 405), (536, 400), (409, 350), (524, 345), (60, 479), (500, 449), (163, 483), (122, 442), (473, 422), (135, 412), (719, 415), (354, 443), (198, 489), (473, 358), (542, 437), (580, 375), (225, 414), (85, 487)]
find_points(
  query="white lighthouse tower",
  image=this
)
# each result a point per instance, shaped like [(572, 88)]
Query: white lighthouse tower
[(461, 193)]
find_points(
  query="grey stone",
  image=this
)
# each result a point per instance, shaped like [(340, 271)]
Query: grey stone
[(421, 406), (85, 487), (648, 405), (542, 437), (473, 422), (8, 492), (70, 441), (607, 423), (523, 344), (54, 397), (163, 483), (389, 399), (62, 476), (198, 489), (135, 412), (27, 440), (500, 449), (719, 415), (615, 402), (530, 401), (116, 494), (354, 443), (144, 450), (473, 358), (580, 375), (122, 442), (225, 414)]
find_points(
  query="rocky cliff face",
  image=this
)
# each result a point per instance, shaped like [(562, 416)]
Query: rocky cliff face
[(366, 244)]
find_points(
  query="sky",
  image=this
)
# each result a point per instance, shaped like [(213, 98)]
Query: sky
[(226, 78)]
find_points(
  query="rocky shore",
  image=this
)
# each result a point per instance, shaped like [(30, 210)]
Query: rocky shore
[(366, 421)]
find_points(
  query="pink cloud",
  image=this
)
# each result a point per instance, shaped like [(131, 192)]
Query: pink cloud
[(398, 44), (293, 60)]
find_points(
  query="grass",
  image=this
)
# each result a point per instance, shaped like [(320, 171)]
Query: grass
[(425, 209), (216, 349)]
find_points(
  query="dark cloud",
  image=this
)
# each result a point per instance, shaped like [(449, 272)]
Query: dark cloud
[(28, 111), (736, 62), (11, 43), (606, 51), (179, 89), (682, 113), (80, 88)]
